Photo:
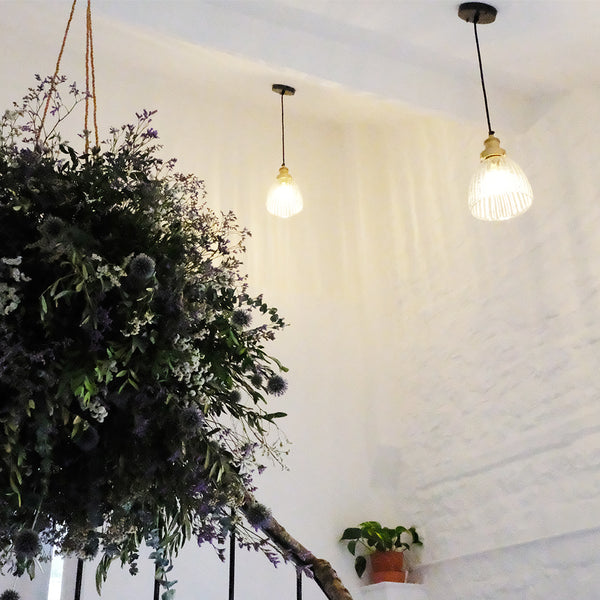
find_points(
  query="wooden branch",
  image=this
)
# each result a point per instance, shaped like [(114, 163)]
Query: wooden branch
[(324, 574)]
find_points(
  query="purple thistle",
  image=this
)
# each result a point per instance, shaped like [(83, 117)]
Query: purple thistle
[(241, 318), (191, 420), (256, 380), (234, 396), (142, 267), (52, 227), (27, 543), (276, 385), (258, 515)]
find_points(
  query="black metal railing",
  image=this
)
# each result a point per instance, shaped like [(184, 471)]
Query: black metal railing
[(232, 551), (156, 596), (321, 571)]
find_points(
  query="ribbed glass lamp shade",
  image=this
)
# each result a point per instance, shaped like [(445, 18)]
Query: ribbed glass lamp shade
[(284, 198), (499, 189)]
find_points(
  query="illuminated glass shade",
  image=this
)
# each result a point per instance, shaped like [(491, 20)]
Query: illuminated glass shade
[(499, 189), (284, 198)]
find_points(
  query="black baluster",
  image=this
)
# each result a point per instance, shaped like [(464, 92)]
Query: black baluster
[(298, 583), (232, 565), (78, 579)]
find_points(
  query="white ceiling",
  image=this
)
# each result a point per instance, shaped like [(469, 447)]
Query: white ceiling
[(417, 52)]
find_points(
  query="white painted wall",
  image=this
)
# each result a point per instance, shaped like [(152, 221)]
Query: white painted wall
[(442, 369)]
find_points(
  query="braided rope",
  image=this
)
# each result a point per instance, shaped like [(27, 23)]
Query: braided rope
[(90, 77), (54, 77), (90, 74)]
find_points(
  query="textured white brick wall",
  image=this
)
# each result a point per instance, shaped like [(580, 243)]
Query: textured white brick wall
[(503, 422), (561, 567)]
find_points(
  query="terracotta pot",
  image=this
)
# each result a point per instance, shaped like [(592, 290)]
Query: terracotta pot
[(387, 566)]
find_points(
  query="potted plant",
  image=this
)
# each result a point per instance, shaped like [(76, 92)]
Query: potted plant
[(385, 545)]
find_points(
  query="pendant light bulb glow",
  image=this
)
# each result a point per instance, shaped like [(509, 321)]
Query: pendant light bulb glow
[(284, 198), (499, 189)]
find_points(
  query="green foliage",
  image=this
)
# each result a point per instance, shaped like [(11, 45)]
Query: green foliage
[(133, 383), (373, 537)]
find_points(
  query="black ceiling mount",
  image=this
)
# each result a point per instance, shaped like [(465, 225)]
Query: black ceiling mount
[(477, 12), (284, 90)]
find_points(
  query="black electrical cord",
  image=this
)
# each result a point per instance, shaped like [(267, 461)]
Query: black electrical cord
[(485, 100), (282, 133)]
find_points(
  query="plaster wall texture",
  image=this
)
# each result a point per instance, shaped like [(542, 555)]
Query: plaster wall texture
[(442, 369)]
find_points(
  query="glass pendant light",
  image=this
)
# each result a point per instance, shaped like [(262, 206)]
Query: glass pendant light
[(284, 198), (499, 190)]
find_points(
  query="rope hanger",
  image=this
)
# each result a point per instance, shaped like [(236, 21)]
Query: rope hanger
[(90, 75)]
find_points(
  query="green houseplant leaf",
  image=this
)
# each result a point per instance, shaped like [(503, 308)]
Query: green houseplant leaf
[(360, 564)]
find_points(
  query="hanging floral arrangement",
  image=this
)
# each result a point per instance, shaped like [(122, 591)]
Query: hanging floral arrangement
[(133, 374)]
